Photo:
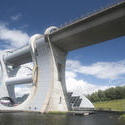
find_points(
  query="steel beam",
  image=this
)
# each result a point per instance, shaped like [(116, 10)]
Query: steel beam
[(20, 56), (16, 80)]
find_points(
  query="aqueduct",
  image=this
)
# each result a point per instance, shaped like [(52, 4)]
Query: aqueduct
[(48, 53)]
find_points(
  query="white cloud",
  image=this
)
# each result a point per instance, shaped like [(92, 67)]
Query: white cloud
[(16, 17), (16, 38), (25, 70), (102, 70), (81, 86), (20, 90)]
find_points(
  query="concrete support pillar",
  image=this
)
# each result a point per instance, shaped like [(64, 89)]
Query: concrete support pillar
[(51, 94)]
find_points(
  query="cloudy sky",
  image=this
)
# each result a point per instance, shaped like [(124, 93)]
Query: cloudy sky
[(88, 69)]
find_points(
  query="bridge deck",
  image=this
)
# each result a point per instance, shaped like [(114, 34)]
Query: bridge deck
[(98, 27)]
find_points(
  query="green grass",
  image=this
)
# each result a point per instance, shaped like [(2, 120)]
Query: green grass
[(114, 105), (122, 117), (57, 112)]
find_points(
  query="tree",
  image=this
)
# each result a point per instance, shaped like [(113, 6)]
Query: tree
[(108, 94)]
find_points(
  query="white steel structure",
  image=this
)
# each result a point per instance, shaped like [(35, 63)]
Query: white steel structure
[(48, 76), (48, 53)]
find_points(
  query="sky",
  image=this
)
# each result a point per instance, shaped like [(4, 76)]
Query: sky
[(88, 69)]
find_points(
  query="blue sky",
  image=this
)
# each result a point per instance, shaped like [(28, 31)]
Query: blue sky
[(20, 19)]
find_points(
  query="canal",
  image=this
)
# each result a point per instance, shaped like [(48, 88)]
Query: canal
[(60, 119)]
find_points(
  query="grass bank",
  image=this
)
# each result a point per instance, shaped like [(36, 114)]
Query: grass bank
[(114, 105), (57, 112), (122, 117)]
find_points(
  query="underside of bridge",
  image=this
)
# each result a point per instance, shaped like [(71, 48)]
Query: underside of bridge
[(48, 54), (98, 27)]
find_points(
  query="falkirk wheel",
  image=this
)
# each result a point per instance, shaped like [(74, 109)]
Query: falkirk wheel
[(48, 55), (48, 91)]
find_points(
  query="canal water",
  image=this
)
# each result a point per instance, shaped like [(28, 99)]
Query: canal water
[(54, 119)]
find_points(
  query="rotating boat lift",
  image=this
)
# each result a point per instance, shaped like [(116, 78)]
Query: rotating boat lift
[(48, 92), (48, 53)]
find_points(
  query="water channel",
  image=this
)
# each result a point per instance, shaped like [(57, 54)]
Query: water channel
[(59, 119)]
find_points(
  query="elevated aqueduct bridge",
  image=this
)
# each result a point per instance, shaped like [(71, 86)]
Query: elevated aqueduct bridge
[(48, 53)]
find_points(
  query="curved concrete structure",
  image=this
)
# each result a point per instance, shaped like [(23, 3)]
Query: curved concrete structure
[(48, 53), (49, 89)]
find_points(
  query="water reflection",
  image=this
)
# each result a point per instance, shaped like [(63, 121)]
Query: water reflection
[(39, 119)]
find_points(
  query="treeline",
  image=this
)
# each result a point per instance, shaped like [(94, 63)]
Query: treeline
[(108, 94)]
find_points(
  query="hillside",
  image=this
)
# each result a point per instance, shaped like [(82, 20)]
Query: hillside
[(115, 105)]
